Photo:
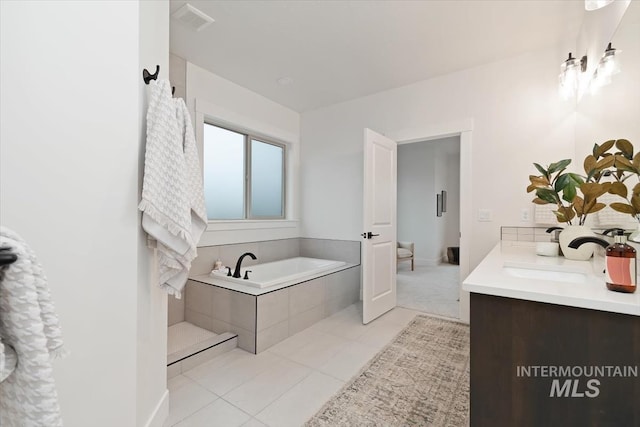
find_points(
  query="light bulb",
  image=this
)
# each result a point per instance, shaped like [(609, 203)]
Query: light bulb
[(595, 4)]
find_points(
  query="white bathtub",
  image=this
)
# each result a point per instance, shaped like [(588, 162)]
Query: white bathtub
[(277, 272)]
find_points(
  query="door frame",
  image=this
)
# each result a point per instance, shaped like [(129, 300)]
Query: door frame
[(464, 129)]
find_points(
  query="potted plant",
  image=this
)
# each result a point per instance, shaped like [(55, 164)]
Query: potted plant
[(625, 166), (557, 186)]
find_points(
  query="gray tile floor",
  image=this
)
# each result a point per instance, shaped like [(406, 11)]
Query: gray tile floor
[(431, 289), (286, 384)]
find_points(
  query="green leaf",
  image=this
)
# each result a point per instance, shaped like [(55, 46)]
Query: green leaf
[(569, 193), (547, 195), (623, 208), (625, 147), (600, 150), (561, 182), (577, 179), (558, 166), (542, 170)]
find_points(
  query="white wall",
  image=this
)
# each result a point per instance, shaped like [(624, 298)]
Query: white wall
[(447, 178), (424, 169), (152, 393), (614, 112), (70, 156), (225, 103), (517, 116)]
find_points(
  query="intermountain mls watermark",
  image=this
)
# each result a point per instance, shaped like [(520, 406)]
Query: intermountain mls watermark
[(576, 381)]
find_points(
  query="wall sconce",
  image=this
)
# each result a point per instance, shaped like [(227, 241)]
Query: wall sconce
[(570, 75), (572, 68), (610, 62), (608, 66)]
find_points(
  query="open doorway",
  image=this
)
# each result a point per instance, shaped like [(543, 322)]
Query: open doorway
[(429, 226)]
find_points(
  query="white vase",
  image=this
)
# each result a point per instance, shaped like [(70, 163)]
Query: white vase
[(571, 232)]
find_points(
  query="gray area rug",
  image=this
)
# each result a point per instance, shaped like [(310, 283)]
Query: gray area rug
[(420, 379)]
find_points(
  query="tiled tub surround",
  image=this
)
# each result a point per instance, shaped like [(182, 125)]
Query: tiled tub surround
[(262, 320), (263, 317)]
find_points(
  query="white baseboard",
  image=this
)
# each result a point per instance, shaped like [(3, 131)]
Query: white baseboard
[(161, 413)]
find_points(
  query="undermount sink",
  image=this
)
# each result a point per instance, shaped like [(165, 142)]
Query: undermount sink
[(546, 275)]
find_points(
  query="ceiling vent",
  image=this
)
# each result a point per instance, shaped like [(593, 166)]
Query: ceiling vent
[(192, 17)]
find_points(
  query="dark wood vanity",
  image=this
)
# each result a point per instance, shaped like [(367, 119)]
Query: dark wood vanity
[(508, 334)]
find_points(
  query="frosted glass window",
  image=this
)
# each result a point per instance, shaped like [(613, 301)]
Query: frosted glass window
[(223, 168), (267, 180), (244, 177)]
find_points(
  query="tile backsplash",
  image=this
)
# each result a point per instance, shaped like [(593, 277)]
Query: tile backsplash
[(525, 234)]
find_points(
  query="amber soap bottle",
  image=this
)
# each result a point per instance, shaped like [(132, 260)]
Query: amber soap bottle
[(621, 265)]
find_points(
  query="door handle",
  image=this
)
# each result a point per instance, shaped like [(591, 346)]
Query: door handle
[(368, 235)]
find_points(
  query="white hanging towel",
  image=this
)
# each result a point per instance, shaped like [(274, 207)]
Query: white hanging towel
[(30, 337), (174, 214)]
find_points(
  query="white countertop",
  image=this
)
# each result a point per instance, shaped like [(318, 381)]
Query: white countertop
[(491, 278)]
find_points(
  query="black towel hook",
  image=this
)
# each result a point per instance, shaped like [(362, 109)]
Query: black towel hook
[(147, 76), (6, 256)]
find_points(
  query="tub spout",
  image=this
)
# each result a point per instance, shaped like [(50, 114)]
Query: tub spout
[(236, 272)]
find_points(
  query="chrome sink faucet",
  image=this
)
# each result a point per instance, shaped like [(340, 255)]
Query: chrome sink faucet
[(236, 272)]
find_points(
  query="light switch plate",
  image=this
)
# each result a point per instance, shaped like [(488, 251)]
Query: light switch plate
[(485, 215)]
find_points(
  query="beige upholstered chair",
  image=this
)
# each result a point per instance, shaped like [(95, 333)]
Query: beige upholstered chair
[(405, 252)]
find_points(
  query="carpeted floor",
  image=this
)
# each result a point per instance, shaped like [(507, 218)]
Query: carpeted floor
[(431, 289), (420, 379)]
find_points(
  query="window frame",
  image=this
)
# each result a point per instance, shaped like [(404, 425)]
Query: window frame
[(248, 138)]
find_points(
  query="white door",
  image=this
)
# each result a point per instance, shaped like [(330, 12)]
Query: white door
[(379, 237)]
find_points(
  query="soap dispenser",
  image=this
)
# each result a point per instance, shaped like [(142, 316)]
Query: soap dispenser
[(621, 265)]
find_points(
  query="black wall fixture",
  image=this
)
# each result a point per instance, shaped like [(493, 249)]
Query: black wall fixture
[(439, 204), (443, 197), (147, 76)]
